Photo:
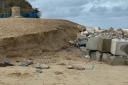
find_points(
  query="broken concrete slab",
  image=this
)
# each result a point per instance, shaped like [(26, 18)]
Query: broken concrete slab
[(119, 47), (100, 44)]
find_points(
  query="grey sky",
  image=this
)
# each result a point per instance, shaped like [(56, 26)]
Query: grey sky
[(103, 13)]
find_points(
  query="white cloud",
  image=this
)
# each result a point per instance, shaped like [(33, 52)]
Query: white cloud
[(103, 13)]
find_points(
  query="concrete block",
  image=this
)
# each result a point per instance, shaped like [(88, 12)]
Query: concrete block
[(105, 45), (119, 47), (100, 44), (93, 43)]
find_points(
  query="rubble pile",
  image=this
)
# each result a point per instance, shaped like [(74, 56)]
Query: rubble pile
[(111, 43), (112, 34)]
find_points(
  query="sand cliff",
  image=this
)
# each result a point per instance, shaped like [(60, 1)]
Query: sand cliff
[(28, 37)]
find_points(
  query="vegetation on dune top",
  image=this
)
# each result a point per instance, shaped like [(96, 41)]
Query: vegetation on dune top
[(26, 8)]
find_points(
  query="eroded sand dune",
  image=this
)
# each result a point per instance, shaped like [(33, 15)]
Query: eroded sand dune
[(27, 37)]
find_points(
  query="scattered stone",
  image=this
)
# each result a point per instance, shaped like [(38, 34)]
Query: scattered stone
[(38, 66), (63, 64), (58, 73), (39, 71), (87, 56), (77, 67), (26, 63), (41, 66), (70, 67), (17, 61), (5, 62), (71, 42)]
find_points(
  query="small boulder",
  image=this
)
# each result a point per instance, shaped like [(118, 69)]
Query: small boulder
[(39, 71), (62, 63), (77, 67), (58, 72), (26, 63), (41, 66), (70, 67), (5, 62)]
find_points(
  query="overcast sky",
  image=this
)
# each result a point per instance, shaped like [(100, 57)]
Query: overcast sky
[(103, 13)]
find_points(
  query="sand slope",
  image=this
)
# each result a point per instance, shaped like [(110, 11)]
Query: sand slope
[(27, 37)]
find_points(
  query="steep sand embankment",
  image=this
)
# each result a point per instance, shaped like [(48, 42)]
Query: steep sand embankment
[(28, 37)]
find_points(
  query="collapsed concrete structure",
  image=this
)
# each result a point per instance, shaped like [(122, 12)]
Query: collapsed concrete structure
[(113, 42)]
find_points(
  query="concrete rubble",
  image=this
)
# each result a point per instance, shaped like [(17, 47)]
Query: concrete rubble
[(109, 46)]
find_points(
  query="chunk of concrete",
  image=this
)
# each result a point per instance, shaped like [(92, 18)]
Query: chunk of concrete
[(119, 47), (93, 43), (100, 44), (105, 45)]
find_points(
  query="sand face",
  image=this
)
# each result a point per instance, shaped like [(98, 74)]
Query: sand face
[(95, 73), (28, 37), (13, 27)]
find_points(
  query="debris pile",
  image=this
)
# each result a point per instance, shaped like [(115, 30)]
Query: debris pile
[(111, 35), (114, 42)]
